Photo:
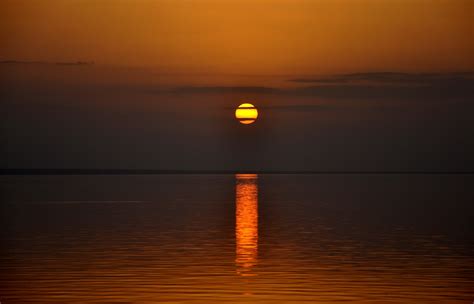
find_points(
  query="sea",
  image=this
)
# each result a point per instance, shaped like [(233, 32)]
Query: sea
[(237, 238)]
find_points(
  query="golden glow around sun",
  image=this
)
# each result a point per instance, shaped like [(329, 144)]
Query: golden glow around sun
[(246, 113)]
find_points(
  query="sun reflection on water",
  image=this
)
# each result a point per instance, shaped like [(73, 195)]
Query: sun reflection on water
[(246, 223)]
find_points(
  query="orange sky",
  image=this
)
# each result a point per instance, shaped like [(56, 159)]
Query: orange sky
[(252, 37)]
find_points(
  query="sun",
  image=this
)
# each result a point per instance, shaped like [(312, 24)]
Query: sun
[(246, 113)]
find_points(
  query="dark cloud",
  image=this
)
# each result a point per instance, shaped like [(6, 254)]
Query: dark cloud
[(299, 107), (329, 80), (108, 118), (21, 62), (225, 89), (389, 77), (441, 90), (380, 85), (296, 107)]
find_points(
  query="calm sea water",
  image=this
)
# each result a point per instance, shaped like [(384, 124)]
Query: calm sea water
[(237, 239)]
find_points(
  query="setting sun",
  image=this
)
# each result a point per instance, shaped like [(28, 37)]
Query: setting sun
[(246, 113)]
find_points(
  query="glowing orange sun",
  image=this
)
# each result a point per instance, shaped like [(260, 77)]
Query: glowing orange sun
[(246, 113)]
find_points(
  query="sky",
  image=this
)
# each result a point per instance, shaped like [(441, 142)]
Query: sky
[(153, 84)]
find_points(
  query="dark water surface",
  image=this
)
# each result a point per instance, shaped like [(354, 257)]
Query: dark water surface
[(237, 239)]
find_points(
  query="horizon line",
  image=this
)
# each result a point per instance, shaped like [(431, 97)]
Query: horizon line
[(77, 171)]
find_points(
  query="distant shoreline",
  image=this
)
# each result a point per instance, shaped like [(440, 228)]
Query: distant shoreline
[(151, 172)]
